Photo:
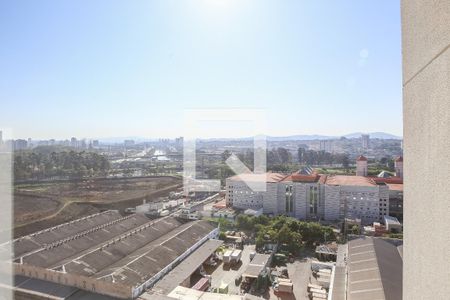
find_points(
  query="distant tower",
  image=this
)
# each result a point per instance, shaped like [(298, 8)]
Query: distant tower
[(361, 166), (325, 145), (365, 138), (398, 165)]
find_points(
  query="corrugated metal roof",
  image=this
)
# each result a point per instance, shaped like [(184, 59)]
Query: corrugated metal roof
[(374, 270)]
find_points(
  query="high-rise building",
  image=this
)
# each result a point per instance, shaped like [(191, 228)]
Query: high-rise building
[(365, 138), (398, 165), (73, 142), (326, 145), (20, 144), (361, 166), (1, 137), (82, 144), (128, 143)]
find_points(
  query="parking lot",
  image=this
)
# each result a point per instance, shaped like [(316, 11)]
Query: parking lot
[(299, 272), (224, 274)]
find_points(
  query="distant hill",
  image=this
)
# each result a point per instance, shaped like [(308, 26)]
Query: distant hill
[(374, 135), (119, 140), (300, 137)]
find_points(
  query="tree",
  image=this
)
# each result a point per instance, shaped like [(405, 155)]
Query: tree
[(301, 155), (243, 222), (222, 236), (45, 162), (284, 155), (225, 155), (345, 162)]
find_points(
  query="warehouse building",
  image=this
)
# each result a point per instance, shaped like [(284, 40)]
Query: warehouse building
[(105, 254), (372, 270)]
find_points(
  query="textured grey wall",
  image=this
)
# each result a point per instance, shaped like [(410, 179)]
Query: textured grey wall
[(426, 102)]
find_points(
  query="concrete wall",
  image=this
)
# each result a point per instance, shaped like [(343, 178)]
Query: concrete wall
[(242, 196), (82, 282), (370, 202), (426, 102), (270, 204), (300, 196), (332, 202)]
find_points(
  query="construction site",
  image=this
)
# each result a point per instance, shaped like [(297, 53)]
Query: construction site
[(108, 256)]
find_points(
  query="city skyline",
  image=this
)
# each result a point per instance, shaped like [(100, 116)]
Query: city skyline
[(114, 69), (118, 139)]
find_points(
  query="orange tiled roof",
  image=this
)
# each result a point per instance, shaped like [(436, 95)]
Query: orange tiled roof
[(395, 186), (361, 158), (220, 204), (350, 180), (302, 178), (251, 177), (397, 180)]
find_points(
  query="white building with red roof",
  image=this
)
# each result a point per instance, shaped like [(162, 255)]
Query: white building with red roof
[(311, 196)]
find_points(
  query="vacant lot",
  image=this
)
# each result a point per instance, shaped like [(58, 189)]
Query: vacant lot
[(41, 205)]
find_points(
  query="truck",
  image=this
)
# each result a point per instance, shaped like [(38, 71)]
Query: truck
[(202, 285), (227, 256), (284, 286), (236, 256)]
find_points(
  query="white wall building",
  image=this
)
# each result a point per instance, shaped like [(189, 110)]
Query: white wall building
[(361, 166), (240, 196), (398, 165), (313, 197)]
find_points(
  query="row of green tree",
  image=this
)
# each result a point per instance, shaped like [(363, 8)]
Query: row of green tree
[(40, 164), (282, 157), (285, 230), (312, 157)]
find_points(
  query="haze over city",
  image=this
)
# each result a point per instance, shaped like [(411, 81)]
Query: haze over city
[(224, 149), (113, 69)]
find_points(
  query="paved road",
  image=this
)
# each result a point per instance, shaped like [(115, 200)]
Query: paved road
[(300, 273), (227, 276)]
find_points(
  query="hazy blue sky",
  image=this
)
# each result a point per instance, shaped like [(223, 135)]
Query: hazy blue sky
[(130, 68)]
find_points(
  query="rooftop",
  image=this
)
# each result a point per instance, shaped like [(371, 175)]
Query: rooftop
[(42, 238), (297, 177), (392, 179), (257, 265), (183, 293), (350, 180), (252, 177), (361, 158), (391, 220), (125, 250), (374, 270), (186, 267), (395, 186)]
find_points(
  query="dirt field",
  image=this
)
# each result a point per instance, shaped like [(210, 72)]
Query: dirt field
[(42, 205)]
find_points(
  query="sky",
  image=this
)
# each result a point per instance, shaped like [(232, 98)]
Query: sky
[(107, 68)]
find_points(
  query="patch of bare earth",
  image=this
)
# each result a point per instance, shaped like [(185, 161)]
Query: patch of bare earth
[(39, 206)]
